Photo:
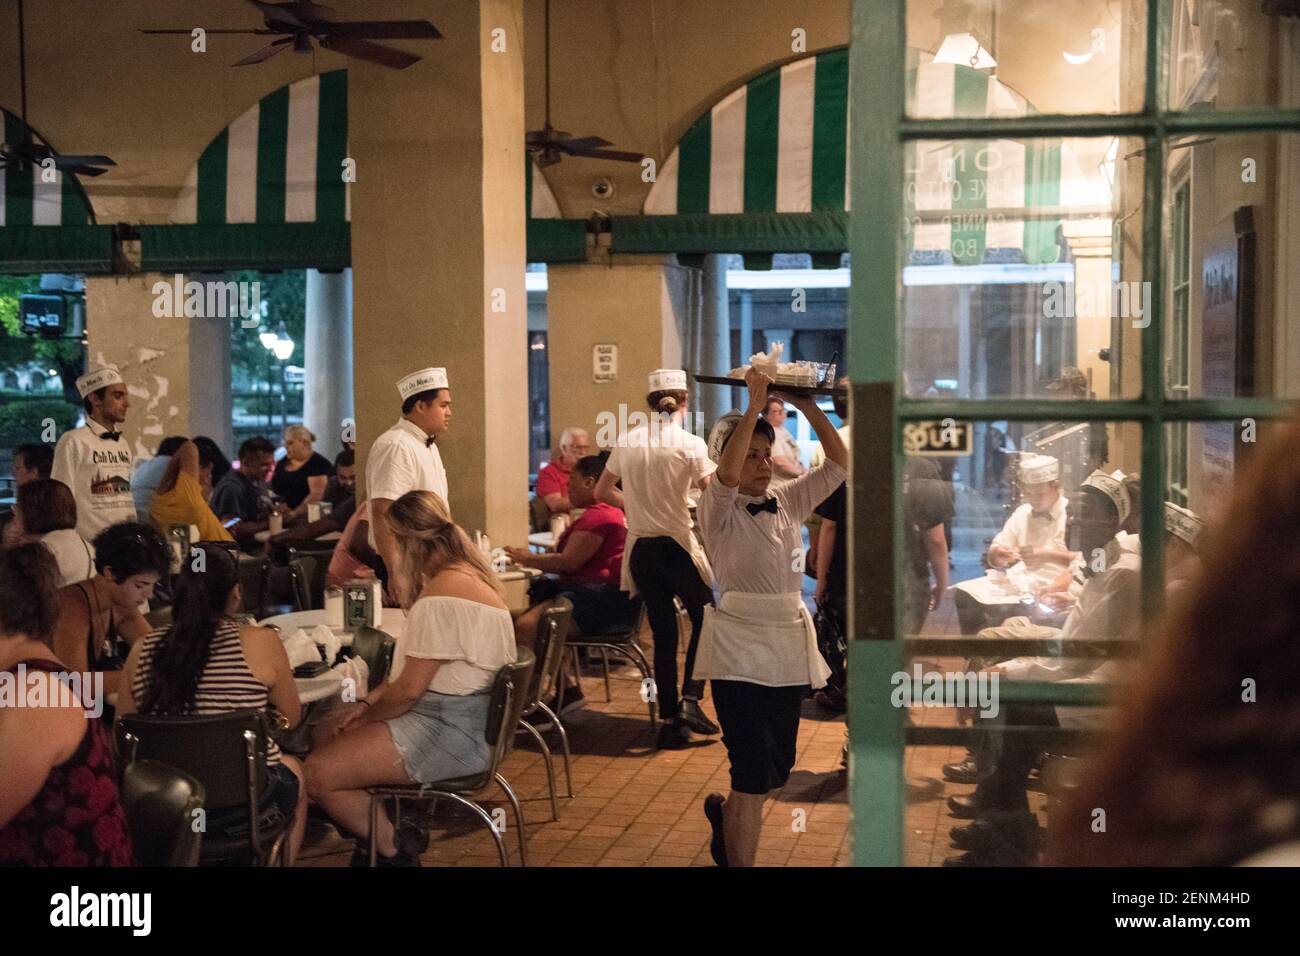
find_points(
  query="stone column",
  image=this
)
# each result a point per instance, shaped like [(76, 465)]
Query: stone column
[(177, 368), (327, 390), (715, 337), (639, 304), (438, 252)]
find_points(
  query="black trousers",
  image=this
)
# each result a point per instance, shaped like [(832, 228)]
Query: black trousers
[(1004, 760), (663, 570)]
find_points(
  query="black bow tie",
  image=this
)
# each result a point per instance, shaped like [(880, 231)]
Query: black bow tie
[(767, 504), (1045, 515), (111, 436), (429, 441)]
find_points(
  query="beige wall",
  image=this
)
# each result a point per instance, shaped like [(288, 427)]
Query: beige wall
[(639, 304)]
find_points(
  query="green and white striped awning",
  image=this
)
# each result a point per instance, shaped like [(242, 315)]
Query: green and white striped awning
[(282, 160), (779, 144), (27, 199)]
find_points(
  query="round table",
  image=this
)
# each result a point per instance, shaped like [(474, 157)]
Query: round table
[(311, 689), (264, 536), (542, 539)]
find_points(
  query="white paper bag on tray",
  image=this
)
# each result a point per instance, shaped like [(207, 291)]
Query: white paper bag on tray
[(301, 648)]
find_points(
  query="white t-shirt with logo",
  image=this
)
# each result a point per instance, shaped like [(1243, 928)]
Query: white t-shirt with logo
[(98, 470), (400, 461)]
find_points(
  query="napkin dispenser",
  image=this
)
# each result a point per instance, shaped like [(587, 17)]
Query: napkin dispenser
[(363, 604)]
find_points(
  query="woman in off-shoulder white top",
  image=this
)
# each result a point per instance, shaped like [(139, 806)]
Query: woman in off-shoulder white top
[(428, 721)]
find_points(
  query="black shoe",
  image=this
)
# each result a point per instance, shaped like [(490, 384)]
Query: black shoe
[(539, 720), (695, 718), (673, 736), (571, 699), (964, 772), (410, 839), (978, 835), (964, 808), (1007, 834), (361, 858), (713, 812)]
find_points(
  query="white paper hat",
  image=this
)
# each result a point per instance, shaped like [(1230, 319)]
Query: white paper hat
[(1113, 487), (1182, 523), (97, 378), (1038, 469), (722, 428), (667, 379), (424, 380)]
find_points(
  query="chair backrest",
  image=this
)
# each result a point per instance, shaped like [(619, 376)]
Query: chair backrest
[(302, 570), (320, 556), (159, 802), (226, 753), (253, 573), (507, 703), (548, 650), (539, 514), (375, 647)]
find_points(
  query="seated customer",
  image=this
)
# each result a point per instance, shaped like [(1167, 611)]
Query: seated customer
[(213, 464), (180, 498), (301, 475), (99, 619), (144, 483), (242, 492), (553, 479), (588, 560), (340, 494), (46, 512), (59, 803), (429, 721), (205, 662)]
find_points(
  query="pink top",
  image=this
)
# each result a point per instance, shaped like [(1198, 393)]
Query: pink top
[(553, 479), (607, 523), (344, 565)]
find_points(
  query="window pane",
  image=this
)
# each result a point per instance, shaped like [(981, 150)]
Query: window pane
[(1022, 268), (1231, 54), (1232, 239), (1012, 58)]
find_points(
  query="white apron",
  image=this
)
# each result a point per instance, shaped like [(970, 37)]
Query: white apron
[(690, 544), (764, 639)]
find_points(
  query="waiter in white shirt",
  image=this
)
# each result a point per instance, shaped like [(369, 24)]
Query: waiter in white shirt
[(658, 464), (758, 645), (406, 458), (1031, 546), (93, 460)]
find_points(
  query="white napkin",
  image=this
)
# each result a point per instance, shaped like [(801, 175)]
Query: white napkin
[(321, 634), (358, 671), (301, 648)]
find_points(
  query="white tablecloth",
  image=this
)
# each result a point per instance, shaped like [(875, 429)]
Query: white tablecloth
[(311, 689)]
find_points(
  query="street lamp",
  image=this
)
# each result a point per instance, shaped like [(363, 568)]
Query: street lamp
[(281, 346)]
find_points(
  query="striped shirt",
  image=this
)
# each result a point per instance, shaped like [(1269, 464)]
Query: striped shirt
[(226, 684)]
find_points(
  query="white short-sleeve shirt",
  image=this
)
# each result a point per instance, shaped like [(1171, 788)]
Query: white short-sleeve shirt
[(471, 640), (658, 467), (1026, 528), (98, 471), (402, 460)]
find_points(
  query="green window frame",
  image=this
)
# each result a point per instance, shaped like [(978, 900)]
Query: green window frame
[(880, 131)]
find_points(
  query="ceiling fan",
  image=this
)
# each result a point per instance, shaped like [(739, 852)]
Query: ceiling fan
[(550, 145), (299, 22), (30, 152)]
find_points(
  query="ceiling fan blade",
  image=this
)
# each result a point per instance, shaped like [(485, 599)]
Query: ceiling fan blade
[(372, 52), (62, 160), (81, 170), (386, 30), (548, 135), (188, 32), (583, 142), (615, 154), (268, 51), (279, 13)]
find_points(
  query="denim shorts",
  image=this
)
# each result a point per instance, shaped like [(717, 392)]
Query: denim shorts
[(443, 736)]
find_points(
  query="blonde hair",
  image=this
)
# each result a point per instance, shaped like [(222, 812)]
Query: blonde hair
[(428, 542), (299, 431)]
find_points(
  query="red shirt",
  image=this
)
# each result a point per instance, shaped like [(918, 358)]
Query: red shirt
[(609, 524), (553, 480)]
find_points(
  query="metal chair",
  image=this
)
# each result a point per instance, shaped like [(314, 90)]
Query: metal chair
[(252, 578), (319, 559), (507, 700), (539, 515), (375, 647), (621, 639), (226, 753), (548, 649), (160, 804)]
